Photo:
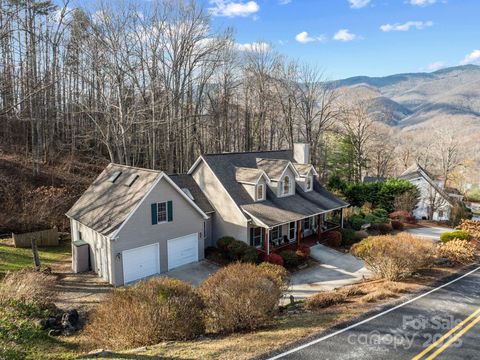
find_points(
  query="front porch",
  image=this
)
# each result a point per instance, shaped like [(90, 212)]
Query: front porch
[(307, 231)]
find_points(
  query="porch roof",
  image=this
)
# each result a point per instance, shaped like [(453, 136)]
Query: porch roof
[(280, 210)]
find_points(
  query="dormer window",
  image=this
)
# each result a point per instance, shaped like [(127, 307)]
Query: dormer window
[(260, 192), (286, 185), (309, 183)]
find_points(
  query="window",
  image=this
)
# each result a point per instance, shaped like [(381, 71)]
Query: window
[(114, 176), (80, 235), (440, 213), (292, 228), (161, 212), (309, 183), (307, 223), (276, 233), (260, 192), (257, 237), (286, 185)]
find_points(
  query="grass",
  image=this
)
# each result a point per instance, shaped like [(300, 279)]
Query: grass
[(12, 258)]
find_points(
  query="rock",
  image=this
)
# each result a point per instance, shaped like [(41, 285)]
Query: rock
[(55, 332), (50, 322)]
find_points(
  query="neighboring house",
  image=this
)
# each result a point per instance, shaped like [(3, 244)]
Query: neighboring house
[(435, 203), (373, 179), (132, 223)]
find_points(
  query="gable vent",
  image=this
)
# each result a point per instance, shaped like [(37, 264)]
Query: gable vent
[(114, 176)]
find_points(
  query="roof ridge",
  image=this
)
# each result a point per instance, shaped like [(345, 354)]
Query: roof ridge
[(136, 167), (246, 152)]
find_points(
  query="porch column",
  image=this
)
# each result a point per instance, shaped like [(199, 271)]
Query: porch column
[(319, 227), (299, 232), (267, 242), (341, 218)]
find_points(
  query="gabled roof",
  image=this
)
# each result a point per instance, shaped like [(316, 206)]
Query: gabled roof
[(275, 168), (304, 169), (249, 176), (273, 210), (106, 205), (416, 171), (185, 181)]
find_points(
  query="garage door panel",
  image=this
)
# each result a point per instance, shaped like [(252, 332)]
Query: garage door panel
[(182, 251), (140, 262)]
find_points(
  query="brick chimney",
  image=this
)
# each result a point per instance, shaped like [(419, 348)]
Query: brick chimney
[(301, 153)]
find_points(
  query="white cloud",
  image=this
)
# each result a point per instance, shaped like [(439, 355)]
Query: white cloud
[(422, 2), (472, 58), (357, 4), (304, 38), (437, 65), (255, 46), (231, 8), (419, 25), (344, 35)]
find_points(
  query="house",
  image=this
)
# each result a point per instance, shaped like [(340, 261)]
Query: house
[(435, 202), (373, 179), (132, 223)]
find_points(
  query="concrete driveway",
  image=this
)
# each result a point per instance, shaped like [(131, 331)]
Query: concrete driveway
[(336, 269), (431, 233), (194, 273)]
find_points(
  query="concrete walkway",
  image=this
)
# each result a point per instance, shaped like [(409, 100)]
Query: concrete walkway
[(432, 233), (336, 269)]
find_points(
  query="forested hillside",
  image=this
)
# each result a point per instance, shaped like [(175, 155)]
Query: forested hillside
[(153, 84)]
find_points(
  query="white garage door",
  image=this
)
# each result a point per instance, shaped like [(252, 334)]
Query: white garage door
[(140, 262), (183, 250)]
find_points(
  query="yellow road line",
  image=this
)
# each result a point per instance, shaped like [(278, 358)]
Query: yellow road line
[(439, 341), (453, 339)]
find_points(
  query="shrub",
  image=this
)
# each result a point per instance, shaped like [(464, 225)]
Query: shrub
[(458, 213), (236, 249), (406, 201), (239, 297), (290, 258), (457, 234), (380, 213), (394, 257), (348, 236), (382, 228), (457, 251), (223, 243), (350, 291), (250, 255), (334, 238), (360, 235), (356, 221), (472, 227), (28, 287), (146, 313), (274, 259), (397, 225), (403, 216), (276, 273), (303, 251), (380, 294), (325, 299)]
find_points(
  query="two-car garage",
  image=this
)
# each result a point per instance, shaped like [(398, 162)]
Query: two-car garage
[(144, 261)]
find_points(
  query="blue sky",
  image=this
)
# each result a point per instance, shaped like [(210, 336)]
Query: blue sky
[(359, 37)]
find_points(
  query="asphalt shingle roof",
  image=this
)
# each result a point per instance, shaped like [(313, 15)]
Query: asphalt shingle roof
[(104, 206), (186, 181), (273, 210), (247, 175)]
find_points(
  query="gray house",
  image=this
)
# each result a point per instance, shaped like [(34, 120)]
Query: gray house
[(132, 223)]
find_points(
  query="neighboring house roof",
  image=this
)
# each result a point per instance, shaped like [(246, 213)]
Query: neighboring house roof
[(373, 179), (273, 210), (416, 171), (248, 175), (185, 181), (106, 205)]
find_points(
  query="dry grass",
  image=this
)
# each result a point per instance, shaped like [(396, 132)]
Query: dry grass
[(458, 251), (29, 287), (325, 299)]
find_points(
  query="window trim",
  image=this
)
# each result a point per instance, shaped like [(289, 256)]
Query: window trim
[(309, 187), (165, 212), (257, 236), (257, 188), (286, 182)]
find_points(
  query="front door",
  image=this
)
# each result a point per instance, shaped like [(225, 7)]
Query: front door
[(292, 227)]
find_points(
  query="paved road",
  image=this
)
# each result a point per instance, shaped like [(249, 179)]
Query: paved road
[(404, 331), (432, 233)]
